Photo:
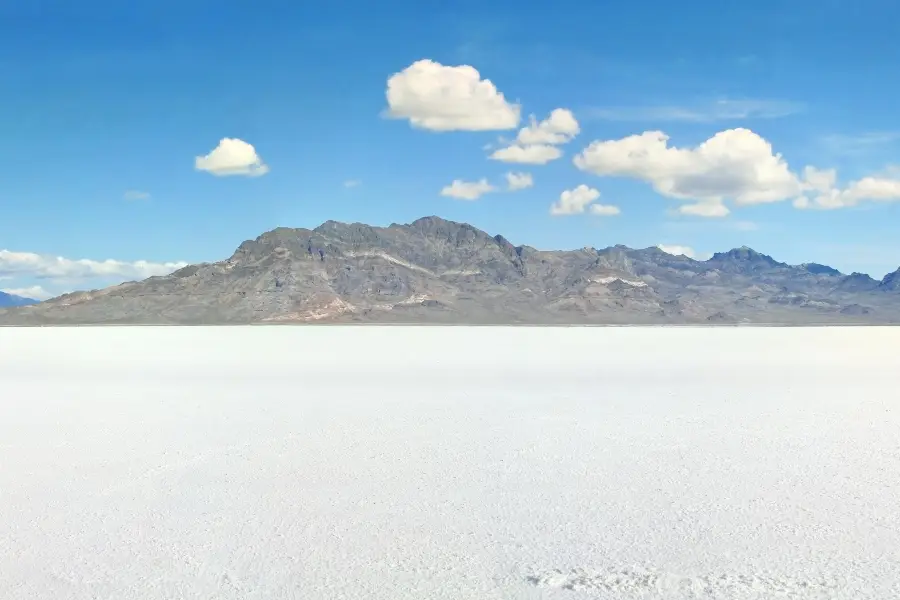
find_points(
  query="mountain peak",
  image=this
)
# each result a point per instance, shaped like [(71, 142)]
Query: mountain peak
[(745, 254), (741, 252), (819, 269), (891, 281), (431, 221)]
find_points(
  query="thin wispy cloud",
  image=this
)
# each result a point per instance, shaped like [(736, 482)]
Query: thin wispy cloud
[(136, 195), (352, 183), (717, 110), (842, 143)]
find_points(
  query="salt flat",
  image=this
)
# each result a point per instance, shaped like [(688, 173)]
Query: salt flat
[(449, 463)]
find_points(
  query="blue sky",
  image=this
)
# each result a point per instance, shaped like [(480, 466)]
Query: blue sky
[(107, 106)]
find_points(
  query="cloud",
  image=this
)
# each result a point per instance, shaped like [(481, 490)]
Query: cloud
[(579, 200), (676, 250), (860, 142), (518, 181), (559, 128), (467, 190), (538, 154), (820, 180), (535, 143), (34, 292), (718, 110), (704, 209), (604, 210), (352, 183), (232, 157), (136, 195), (57, 267), (735, 164), (872, 189), (440, 98)]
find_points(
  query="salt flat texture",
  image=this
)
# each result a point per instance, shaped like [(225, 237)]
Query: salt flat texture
[(449, 463)]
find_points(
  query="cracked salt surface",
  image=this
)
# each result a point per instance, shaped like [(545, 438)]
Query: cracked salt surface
[(449, 463)]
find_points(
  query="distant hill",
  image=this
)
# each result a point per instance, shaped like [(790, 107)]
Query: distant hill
[(7, 300), (438, 271)]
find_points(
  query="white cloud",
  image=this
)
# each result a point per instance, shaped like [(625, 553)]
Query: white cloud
[(705, 209), (735, 164), (352, 183), (604, 210), (535, 143), (467, 190), (34, 292), (518, 181), (820, 180), (718, 110), (441, 98), (871, 189), (537, 154), (578, 200), (559, 128), (136, 195), (57, 267), (677, 250), (232, 157)]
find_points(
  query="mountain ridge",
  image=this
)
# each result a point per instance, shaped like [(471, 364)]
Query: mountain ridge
[(8, 300), (434, 270)]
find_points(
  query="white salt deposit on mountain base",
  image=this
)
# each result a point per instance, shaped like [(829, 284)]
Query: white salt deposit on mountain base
[(449, 463)]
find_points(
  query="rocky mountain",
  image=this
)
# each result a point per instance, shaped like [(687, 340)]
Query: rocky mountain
[(439, 271), (7, 300)]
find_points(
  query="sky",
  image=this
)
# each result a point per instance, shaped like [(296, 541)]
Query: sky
[(141, 136)]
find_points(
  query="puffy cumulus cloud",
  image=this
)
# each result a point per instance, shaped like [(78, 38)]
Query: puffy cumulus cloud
[(518, 181), (867, 189), (559, 128), (35, 292), (440, 98), (579, 200), (467, 190), (536, 154), (677, 250), (735, 164), (820, 180), (536, 143), (232, 157), (57, 267)]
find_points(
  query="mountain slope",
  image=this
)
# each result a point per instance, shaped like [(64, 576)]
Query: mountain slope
[(8, 300), (439, 271)]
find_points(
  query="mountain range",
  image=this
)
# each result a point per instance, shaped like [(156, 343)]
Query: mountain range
[(443, 272), (7, 300)]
